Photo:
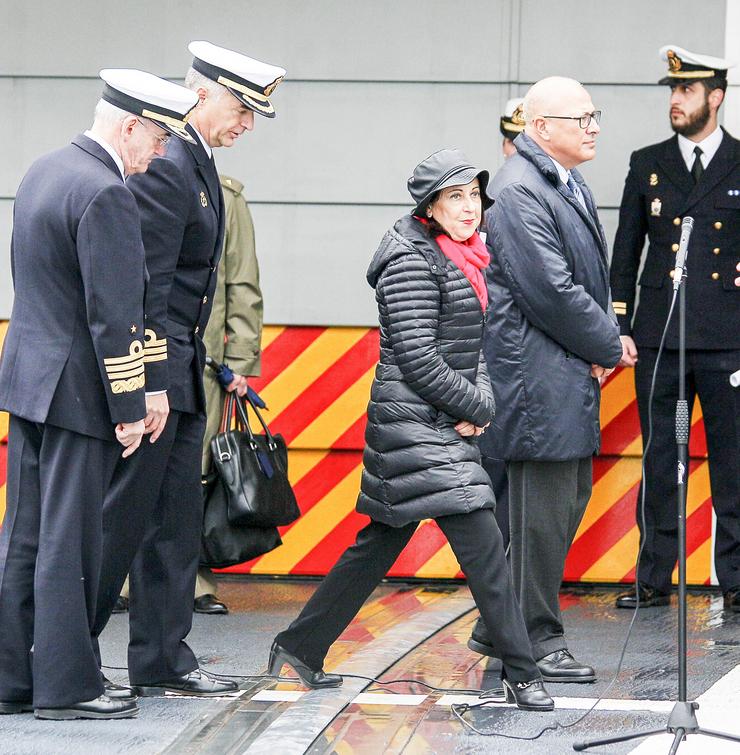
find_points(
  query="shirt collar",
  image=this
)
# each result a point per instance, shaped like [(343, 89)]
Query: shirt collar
[(205, 144), (562, 172), (107, 147), (708, 145)]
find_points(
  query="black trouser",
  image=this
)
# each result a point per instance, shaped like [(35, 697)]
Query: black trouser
[(496, 469), (50, 553), (475, 541), (152, 522), (547, 500), (707, 376)]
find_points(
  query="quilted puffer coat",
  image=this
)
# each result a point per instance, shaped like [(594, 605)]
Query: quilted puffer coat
[(429, 377)]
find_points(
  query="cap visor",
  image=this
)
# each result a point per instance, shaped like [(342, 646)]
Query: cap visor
[(179, 133), (263, 108)]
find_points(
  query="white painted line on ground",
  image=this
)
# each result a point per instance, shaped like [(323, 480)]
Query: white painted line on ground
[(383, 698), (278, 696), (230, 696), (719, 709)]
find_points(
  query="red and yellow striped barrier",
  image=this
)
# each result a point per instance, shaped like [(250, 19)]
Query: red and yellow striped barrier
[(316, 382)]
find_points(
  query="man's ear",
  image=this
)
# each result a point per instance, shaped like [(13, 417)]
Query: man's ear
[(127, 125), (202, 95), (540, 128), (715, 98)]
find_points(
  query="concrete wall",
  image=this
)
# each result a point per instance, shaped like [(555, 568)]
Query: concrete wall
[(372, 88)]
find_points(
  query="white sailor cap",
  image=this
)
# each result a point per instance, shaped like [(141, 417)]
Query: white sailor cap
[(144, 94), (249, 80), (685, 66), (512, 121)]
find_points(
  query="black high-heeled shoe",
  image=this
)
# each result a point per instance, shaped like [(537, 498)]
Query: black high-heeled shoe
[(528, 695), (313, 679)]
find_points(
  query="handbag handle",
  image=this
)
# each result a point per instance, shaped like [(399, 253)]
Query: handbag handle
[(241, 410), (227, 413)]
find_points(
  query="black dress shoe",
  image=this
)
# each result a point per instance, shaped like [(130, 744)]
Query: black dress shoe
[(528, 695), (100, 707), (121, 605), (313, 679), (649, 596), (731, 600), (198, 683), (561, 666), (15, 706), (209, 604), (118, 691), (481, 645)]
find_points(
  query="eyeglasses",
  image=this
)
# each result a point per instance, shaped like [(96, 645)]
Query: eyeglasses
[(163, 140), (584, 121)]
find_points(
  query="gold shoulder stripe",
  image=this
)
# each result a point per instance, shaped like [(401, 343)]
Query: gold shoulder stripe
[(127, 386)]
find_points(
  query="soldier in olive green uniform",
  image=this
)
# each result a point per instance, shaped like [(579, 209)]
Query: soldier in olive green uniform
[(233, 336)]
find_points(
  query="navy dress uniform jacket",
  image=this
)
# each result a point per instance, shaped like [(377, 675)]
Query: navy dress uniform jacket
[(181, 206), (658, 193), (73, 354)]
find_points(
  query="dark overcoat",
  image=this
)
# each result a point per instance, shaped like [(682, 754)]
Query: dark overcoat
[(550, 316), (73, 354), (429, 377), (182, 221)]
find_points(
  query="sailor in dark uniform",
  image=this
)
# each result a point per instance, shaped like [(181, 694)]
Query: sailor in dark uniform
[(182, 215), (72, 379), (511, 124), (695, 173)]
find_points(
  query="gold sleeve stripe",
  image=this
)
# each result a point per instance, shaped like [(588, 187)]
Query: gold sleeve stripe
[(127, 386), (124, 366), (135, 351), (150, 339), (155, 350), (155, 358), (138, 370)]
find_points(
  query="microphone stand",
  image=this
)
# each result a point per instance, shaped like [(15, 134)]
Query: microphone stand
[(682, 719)]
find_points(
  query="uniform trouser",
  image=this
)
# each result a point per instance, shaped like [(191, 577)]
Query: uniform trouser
[(707, 375), (152, 521), (547, 500), (50, 552), (475, 541)]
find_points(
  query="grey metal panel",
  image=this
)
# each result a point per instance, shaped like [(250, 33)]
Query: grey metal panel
[(378, 40), (345, 142), (613, 42), (6, 283), (313, 261)]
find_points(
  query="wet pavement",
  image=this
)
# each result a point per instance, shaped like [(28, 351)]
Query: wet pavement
[(414, 633)]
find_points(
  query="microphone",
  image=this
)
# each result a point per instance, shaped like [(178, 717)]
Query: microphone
[(683, 248), (735, 379)]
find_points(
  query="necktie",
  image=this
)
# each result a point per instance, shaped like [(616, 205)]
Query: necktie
[(697, 169), (577, 193)]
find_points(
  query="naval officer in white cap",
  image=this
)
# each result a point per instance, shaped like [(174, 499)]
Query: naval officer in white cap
[(72, 379), (695, 173), (511, 124), (154, 511)]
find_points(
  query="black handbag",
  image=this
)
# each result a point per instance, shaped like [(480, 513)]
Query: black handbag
[(225, 544), (253, 470)]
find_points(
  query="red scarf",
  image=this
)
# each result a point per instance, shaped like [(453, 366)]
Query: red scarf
[(471, 257)]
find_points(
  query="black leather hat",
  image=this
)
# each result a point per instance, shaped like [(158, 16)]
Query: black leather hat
[(447, 167)]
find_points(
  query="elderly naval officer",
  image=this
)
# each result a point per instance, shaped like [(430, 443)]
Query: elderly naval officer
[(182, 216), (694, 173), (72, 379)]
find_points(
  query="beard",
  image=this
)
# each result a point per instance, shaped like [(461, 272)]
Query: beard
[(694, 123)]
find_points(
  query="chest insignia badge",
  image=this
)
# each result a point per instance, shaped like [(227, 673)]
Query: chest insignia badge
[(653, 179), (203, 200), (655, 207)]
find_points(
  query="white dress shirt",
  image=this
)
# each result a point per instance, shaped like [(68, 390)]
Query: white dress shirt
[(708, 146), (104, 144), (565, 177)]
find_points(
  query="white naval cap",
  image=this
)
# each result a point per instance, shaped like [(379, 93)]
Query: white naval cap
[(144, 94), (512, 121), (686, 66), (249, 80)]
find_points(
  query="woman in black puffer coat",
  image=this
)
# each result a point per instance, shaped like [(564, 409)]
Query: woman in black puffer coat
[(430, 398)]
